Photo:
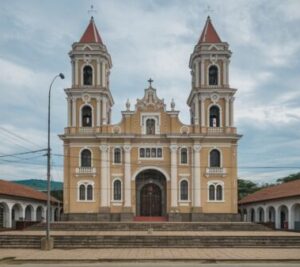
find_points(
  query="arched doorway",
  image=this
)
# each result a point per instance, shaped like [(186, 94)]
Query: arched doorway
[(39, 213), (283, 212), (261, 215), (150, 193), (28, 213)]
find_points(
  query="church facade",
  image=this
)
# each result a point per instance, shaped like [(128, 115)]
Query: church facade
[(150, 165)]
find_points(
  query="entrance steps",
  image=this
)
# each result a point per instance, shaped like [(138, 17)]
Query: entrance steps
[(156, 226), (151, 240), (150, 219)]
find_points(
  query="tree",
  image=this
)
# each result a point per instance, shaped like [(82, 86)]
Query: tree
[(289, 178), (246, 187)]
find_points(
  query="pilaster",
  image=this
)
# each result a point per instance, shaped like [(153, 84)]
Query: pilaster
[(174, 191)]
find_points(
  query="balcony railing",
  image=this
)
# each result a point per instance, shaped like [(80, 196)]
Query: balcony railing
[(86, 130), (216, 171), (215, 130), (86, 170)]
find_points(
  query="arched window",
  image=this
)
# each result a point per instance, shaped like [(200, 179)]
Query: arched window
[(86, 116), (211, 192), (86, 158), (142, 152), (117, 190), (89, 192), (214, 116), (215, 158), (219, 192), (183, 156), (213, 75), (150, 126), (117, 155), (82, 192), (184, 190), (87, 75)]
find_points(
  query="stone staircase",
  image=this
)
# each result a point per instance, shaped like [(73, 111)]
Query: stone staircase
[(161, 235), (153, 241), (156, 226)]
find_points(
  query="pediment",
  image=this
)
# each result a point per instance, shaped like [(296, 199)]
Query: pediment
[(150, 100)]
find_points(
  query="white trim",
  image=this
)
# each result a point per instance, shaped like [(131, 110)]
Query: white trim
[(221, 157), (93, 75), (207, 74), (121, 156), (151, 158), (215, 183), (220, 114), (179, 192), (112, 190), (85, 183), (80, 151), (187, 153), (135, 174), (80, 115), (145, 116)]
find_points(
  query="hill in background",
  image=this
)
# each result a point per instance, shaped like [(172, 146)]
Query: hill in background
[(40, 185)]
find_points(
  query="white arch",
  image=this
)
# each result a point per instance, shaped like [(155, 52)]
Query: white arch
[(221, 156), (133, 177), (215, 183), (80, 151), (80, 114), (85, 183), (113, 188), (179, 186), (94, 74), (221, 113)]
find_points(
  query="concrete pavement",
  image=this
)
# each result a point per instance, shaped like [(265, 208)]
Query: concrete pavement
[(150, 254)]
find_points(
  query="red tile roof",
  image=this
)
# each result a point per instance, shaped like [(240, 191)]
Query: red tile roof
[(209, 34), (285, 190), (91, 34), (17, 190)]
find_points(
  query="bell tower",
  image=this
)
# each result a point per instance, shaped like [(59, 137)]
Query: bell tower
[(211, 98), (89, 98)]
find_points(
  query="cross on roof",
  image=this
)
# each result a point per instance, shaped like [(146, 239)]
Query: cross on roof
[(208, 10), (150, 81), (92, 10)]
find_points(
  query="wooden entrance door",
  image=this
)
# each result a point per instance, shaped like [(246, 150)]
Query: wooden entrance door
[(151, 200)]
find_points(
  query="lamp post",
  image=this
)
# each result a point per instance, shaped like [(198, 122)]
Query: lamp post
[(49, 244)]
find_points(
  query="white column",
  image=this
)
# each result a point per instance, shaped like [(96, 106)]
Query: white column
[(7, 216), (103, 74), (232, 111), (197, 74), (174, 191), (224, 72), (227, 71), (196, 119), (291, 218), (277, 218), (104, 174), (202, 101), (266, 215), (33, 215), (98, 72), (127, 184), (202, 72), (226, 111), (196, 177), (98, 112), (73, 71), (73, 112), (69, 111), (76, 73), (104, 111)]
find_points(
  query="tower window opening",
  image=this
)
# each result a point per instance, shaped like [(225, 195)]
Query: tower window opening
[(86, 158), (214, 116), (86, 116), (213, 75), (150, 126), (87, 75)]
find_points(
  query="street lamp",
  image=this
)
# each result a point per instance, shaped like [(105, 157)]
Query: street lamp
[(48, 244)]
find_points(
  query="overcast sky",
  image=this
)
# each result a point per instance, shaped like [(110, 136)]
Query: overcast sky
[(152, 39)]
